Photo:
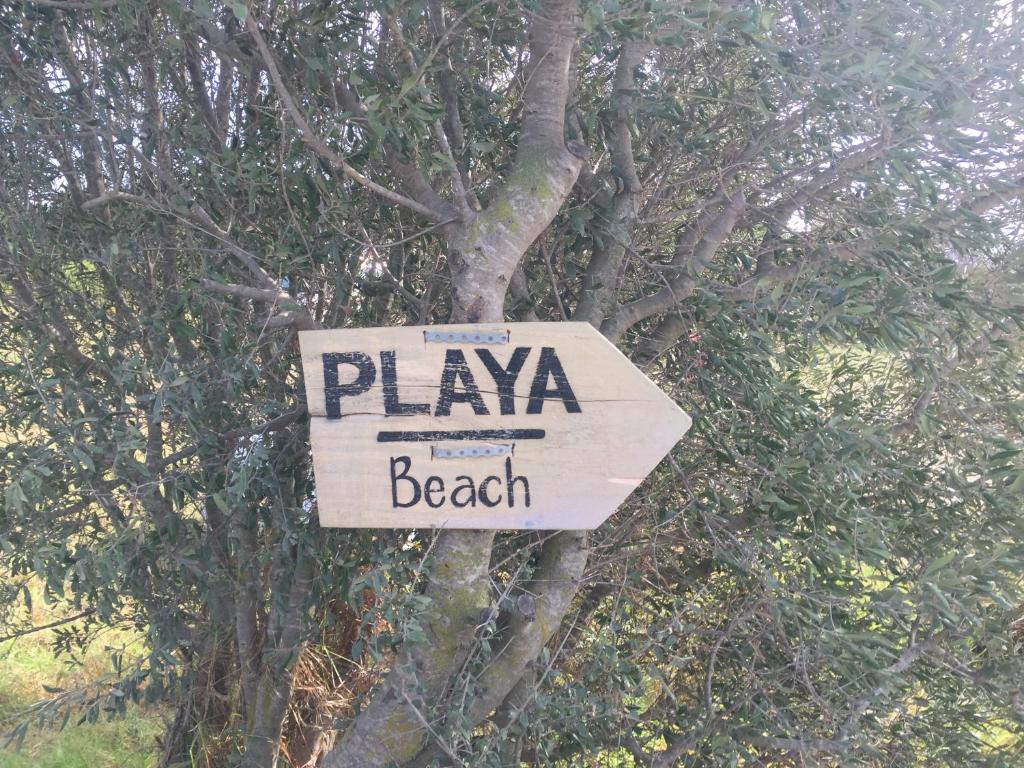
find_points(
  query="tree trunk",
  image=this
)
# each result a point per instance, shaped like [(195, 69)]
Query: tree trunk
[(485, 250)]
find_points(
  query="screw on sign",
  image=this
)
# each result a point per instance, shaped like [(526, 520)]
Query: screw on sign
[(523, 425)]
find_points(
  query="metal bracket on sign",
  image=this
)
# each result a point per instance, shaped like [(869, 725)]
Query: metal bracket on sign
[(470, 451), (466, 337)]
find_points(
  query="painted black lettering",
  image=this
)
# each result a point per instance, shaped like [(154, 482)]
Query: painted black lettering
[(550, 366), (333, 391), (407, 465), (433, 435), (433, 485), (455, 367), (389, 379), (487, 500), (465, 484), (505, 378), (510, 483)]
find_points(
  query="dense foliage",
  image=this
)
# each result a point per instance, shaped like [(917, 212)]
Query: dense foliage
[(802, 219)]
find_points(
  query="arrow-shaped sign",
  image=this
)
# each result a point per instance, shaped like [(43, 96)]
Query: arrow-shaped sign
[(521, 425)]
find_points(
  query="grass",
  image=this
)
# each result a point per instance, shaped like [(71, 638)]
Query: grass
[(26, 664)]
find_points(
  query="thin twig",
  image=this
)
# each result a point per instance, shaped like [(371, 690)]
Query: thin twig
[(74, 5), (51, 625), (423, 721), (554, 283)]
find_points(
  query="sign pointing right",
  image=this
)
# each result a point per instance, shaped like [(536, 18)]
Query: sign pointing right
[(520, 425)]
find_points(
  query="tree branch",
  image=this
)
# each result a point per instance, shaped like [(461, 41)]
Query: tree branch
[(389, 729), (301, 318), (458, 189), (112, 197), (314, 142), (912, 653), (692, 263), (600, 281), (243, 291), (554, 584), (920, 407), (552, 33), (488, 250), (448, 89), (44, 627), (52, 317), (562, 560)]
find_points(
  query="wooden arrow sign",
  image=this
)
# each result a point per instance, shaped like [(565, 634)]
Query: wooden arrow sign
[(521, 425)]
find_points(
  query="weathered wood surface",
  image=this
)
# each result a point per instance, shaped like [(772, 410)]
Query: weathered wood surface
[(578, 446)]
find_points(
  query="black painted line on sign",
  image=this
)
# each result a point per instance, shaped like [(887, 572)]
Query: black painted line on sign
[(460, 434)]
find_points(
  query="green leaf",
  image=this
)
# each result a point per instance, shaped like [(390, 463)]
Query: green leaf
[(859, 310), (939, 563)]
